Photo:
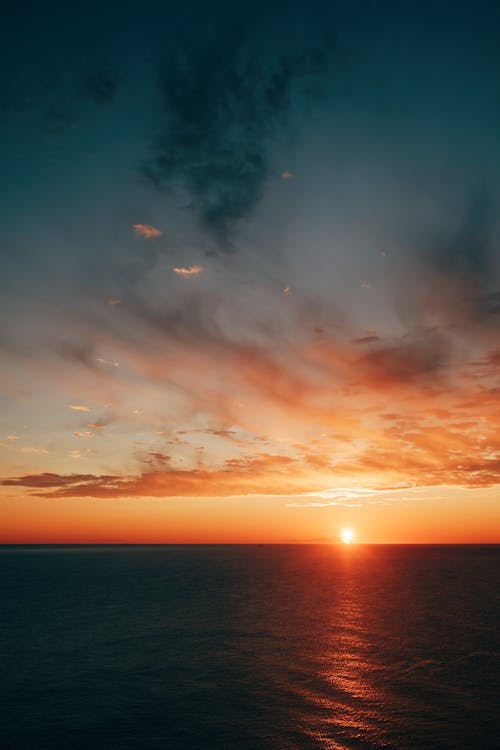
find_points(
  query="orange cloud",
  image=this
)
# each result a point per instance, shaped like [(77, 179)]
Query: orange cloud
[(264, 474), (380, 411), (188, 271), (415, 455), (147, 231)]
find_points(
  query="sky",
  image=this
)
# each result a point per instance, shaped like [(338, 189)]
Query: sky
[(249, 275)]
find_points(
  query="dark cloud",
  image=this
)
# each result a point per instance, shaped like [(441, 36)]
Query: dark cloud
[(224, 100), (49, 480)]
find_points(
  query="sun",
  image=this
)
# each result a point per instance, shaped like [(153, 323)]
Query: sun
[(346, 536)]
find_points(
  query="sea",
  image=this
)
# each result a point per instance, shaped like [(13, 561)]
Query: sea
[(251, 647)]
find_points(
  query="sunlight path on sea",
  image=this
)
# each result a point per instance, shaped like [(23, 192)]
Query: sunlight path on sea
[(345, 703)]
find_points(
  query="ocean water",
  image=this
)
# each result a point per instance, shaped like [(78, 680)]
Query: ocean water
[(252, 647)]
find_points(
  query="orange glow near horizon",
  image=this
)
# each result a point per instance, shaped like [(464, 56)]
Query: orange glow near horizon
[(240, 520)]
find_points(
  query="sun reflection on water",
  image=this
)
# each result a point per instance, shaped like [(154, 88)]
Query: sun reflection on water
[(348, 704)]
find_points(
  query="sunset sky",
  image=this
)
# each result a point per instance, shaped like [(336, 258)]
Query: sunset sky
[(250, 278)]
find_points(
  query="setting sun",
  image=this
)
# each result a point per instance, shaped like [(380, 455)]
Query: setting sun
[(347, 536)]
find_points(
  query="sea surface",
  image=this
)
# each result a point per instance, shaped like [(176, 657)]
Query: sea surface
[(250, 647)]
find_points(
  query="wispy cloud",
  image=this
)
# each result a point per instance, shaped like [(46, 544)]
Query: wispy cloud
[(360, 497), (78, 407)]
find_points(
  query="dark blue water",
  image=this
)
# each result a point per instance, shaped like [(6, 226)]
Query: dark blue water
[(250, 647)]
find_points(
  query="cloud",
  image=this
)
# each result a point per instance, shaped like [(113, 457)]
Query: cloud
[(408, 409), (224, 102), (401, 460), (147, 231), (242, 367), (347, 496), (49, 480), (263, 474), (188, 270)]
